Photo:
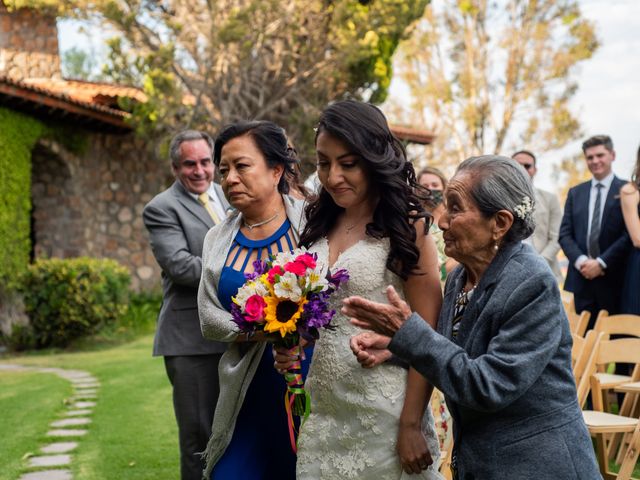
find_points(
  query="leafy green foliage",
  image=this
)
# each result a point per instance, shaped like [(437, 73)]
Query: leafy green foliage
[(68, 298), (79, 64), (204, 64), (141, 315), (18, 135)]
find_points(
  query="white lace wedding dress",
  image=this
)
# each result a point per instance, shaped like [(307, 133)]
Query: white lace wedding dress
[(353, 427)]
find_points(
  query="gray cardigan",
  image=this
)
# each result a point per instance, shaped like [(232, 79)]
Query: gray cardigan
[(507, 377), (240, 361)]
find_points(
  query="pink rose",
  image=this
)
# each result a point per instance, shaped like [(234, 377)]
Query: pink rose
[(271, 274), (254, 308), (307, 260), (297, 268)]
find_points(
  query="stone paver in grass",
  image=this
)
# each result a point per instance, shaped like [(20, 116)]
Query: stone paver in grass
[(85, 390), (47, 475), (79, 405), (66, 433), (50, 461), (77, 413), (86, 384), (59, 447), (71, 422), (76, 375), (79, 395)]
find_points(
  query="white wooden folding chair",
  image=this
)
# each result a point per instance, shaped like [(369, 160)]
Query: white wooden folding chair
[(602, 424), (578, 322), (581, 352), (628, 325)]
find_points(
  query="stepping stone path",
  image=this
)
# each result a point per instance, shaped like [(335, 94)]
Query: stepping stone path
[(65, 433)]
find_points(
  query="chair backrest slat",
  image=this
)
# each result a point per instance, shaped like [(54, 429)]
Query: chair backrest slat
[(618, 324)]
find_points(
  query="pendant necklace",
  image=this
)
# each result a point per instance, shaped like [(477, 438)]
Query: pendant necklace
[(348, 229), (251, 226)]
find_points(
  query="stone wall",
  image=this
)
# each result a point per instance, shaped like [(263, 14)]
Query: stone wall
[(28, 44), (98, 198)]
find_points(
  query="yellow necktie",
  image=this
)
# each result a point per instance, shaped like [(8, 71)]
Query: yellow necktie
[(204, 200)]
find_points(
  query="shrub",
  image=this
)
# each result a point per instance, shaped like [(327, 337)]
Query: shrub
[(18, 135), (142, 313), (69, 298)]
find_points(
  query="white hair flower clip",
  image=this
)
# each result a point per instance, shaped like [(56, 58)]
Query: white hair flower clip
[(524, 208)]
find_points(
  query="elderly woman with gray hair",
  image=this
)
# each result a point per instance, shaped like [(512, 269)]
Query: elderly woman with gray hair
[(502, 350)]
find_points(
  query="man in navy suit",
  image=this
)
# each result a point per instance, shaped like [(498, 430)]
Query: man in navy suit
[(593, 234)]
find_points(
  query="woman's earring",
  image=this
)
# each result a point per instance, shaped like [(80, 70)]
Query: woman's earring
[(496, 247)]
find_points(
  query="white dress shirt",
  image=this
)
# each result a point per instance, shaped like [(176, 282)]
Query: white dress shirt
[(604, 191)]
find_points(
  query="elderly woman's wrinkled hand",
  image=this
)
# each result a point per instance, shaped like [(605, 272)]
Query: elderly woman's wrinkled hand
[(370, 349), (382, 318)]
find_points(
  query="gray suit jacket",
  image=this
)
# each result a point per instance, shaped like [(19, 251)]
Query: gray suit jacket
[(507, 378), (547, 217), (177, 224)]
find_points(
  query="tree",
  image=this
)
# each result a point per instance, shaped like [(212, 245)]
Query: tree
[(206, 63), (79, 64), (490, 77)]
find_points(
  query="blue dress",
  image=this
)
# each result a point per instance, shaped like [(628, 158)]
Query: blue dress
[(631, 290), (260, 448)]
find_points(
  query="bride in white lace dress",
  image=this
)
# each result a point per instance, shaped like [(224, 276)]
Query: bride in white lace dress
[(372, 423)]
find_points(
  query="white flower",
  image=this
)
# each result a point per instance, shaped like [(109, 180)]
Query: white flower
[(285, 257), (524, 208), (287, 287), (316, 279), (249, 289)]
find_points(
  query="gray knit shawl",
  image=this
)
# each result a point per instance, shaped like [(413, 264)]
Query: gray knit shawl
[(239, 363)]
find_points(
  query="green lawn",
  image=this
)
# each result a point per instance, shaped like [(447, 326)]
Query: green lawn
[(133, 435), (28, 403)]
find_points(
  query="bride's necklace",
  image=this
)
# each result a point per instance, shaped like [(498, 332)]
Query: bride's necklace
[(349, 228), (251, 226)]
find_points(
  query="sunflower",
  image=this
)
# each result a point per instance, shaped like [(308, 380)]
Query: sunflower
[(281, 314)]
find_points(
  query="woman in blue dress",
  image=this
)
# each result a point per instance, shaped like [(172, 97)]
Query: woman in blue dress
[(250, 433), (630, 203)]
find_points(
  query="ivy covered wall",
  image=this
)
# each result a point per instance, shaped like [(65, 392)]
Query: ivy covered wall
[(18, 135)]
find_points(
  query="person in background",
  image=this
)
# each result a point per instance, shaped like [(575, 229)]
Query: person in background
[(178, 220), (434, 180), (501, 352), (630, 201), (547, 217), (593, 235)]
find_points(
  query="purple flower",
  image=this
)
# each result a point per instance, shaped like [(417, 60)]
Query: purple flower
[(316, 311), (238, 318), (259, 267), (338, 277)]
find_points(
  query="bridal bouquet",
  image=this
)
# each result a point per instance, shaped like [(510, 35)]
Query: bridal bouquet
[(288, 296)]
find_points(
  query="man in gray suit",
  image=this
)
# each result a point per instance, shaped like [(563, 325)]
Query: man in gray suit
[(178, 220), (547, 217)]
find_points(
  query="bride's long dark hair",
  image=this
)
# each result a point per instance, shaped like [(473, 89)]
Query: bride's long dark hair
[(364, 129)]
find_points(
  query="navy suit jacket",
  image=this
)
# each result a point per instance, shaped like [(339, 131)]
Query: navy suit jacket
[(614, 240)]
